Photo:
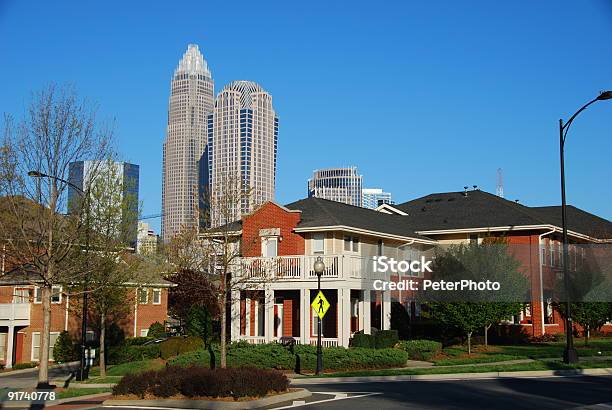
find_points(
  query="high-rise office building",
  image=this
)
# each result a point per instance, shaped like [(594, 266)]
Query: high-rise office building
[(191, 102), (336, 184), (374, 197), (241, 151), (122, 174)]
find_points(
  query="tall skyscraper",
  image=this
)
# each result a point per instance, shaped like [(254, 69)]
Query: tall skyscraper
[(191, 102), (374, 197), (337, 184), (126, 176), (241, 151)]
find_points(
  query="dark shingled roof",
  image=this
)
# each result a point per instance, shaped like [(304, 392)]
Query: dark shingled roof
[(318, 212), (479, 209)]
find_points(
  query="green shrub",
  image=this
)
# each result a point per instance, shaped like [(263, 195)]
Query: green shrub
[(203, 382), (190, 344), (30, 365), (197, 358), (137, 341), (420, 349), (170, 347), (385, 339), (363, 340), (126, 354), (65, 350), (156, 330)]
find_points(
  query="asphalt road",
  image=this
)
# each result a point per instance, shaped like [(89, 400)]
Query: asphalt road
[(540, 393), (28, 379)]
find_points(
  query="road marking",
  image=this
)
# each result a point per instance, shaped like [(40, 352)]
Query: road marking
[(337, 396)]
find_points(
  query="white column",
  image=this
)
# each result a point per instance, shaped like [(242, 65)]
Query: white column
[(269, 320), (10, 341), (235, 315), (386, 310), (305, 316), (344, 316), (367, 310)]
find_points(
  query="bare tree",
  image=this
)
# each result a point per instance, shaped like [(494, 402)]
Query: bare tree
[(58, 128)]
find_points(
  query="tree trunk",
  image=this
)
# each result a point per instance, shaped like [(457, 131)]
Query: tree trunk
[(587, 331), (469, 337), (223, 326), (486, 335), (43, 350), (102, 342)]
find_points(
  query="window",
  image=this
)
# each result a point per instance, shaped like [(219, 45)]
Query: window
[(315, 324), (56, 294), (318, 244), (36, 345), (473, 239), (157, 296), (21, 295), (3, 337), (144, 332), (143, 296), (351, 244), (37, 295), (270, 247)]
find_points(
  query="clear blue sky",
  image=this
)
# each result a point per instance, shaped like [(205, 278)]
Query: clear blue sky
[(422, 96)]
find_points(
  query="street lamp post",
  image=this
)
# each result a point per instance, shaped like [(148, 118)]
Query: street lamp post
[(570, 355), (83, 365), (319, 267)]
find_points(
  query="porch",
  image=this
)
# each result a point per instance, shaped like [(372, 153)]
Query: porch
[(264, 316)]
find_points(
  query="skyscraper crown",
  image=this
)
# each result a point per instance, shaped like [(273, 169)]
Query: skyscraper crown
[(193, 62), (246, 89)]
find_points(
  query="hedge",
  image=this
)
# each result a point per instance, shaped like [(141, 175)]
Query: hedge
[(170, 347), (137, 341), (363, 340), (125, 354), (275, 356), (203, 382), (385, 339), (420, 349)]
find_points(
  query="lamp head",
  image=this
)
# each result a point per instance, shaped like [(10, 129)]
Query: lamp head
[(35, 174), (605, 95), (319, 266)]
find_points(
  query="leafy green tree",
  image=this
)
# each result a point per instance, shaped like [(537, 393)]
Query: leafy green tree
[(65, 350), (590, 315), (472, 309), (156, 330)]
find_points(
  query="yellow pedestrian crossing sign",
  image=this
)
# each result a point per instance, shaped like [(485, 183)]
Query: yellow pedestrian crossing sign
[(320, 305)]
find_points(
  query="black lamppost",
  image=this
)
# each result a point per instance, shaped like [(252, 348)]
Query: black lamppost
[(570, 355), (319, 268), (83, 366)]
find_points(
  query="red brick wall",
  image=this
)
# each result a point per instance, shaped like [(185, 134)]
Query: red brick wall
[(270, 215)]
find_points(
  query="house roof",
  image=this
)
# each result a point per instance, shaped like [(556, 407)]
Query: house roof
[(318, 212), (478, 209)]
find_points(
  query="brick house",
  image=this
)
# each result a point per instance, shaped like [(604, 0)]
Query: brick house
[(286, 240), (21, 314)]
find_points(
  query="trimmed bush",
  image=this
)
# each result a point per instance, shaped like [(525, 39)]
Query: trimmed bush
[(30, 365), (385, 339), (126, 354), (170, 347), (65, 350), (203, 382), (363, 340), (156, 330), (275, 356), (190, 344), (420, 349), (137, 341)]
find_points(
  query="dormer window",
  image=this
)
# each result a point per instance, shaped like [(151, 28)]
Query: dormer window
[(318, 244)]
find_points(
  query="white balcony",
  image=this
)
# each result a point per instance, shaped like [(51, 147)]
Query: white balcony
[(300, 268), (13, 312)]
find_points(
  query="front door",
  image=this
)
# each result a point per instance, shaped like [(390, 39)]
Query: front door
[(19, 347)]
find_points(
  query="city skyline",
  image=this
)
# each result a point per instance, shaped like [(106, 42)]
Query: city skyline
[(490, 99)]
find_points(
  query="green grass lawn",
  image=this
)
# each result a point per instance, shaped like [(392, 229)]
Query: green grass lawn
[(538, 365), (128, 368), (103, 380), (68, 393), (457, 355)]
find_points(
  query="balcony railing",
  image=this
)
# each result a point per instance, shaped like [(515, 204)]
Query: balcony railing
[(14, 311), (301, 267)]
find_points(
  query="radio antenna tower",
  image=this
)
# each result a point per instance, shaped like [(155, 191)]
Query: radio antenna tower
[(500, 184)]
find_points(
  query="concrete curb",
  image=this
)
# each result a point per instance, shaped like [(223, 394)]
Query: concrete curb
[(211, 404), (28, 404), (455, 376), (35, 369)]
